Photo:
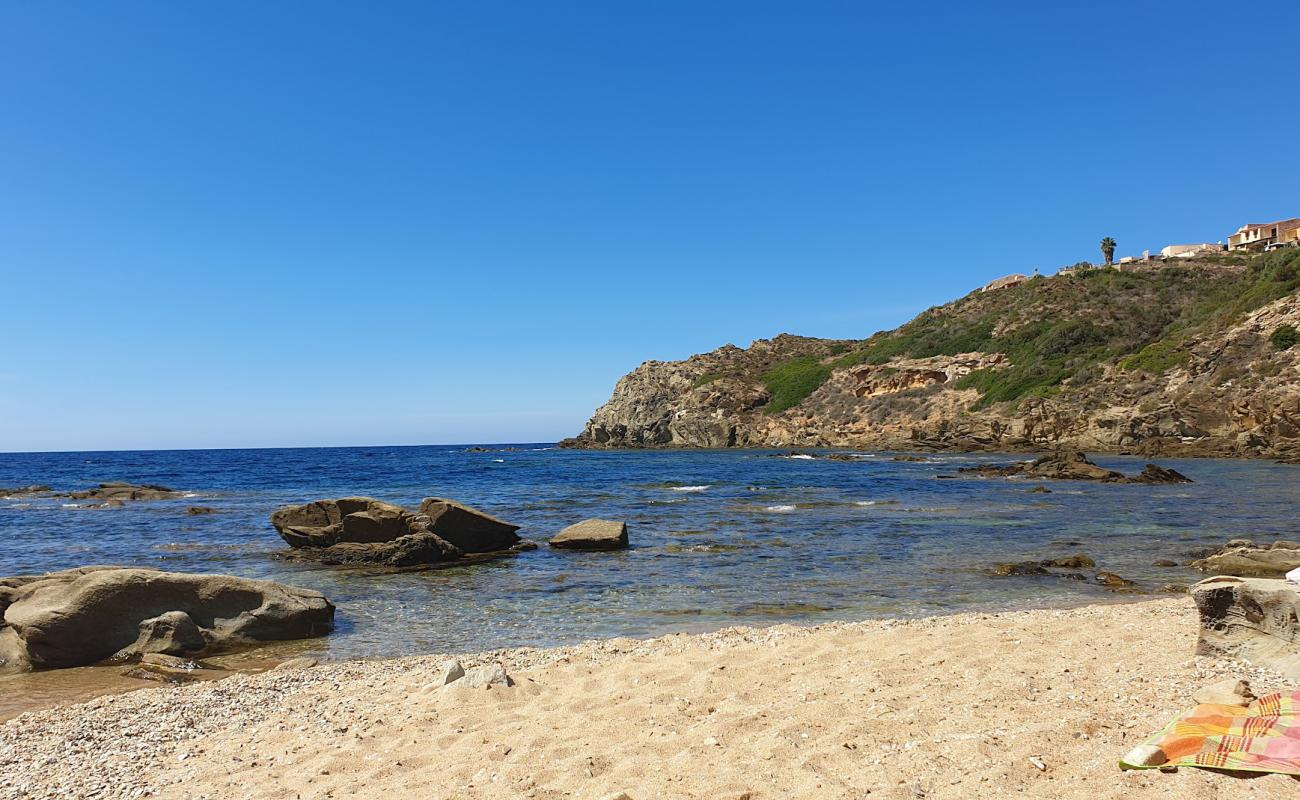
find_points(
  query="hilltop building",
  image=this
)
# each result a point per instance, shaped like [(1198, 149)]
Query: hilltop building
[(1014, 279), (1190, 250), (1266, 236)]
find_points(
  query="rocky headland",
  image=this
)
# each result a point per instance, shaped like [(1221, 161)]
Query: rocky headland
[(1175, 359)]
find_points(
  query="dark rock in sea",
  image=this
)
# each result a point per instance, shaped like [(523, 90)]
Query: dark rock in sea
[(1164, 562), (841, 457), (84, 616), (1153, 473), (124, 492), (1173, 588), (1040, 489), (1245, 558), (198, 511), (362, 530), (592, 534), (1074, 466), (906, 457), (1254, 619), (1078, 561)]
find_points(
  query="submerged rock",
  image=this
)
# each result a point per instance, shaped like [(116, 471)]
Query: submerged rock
[(1255, 619), (198, 511), (363, 530), (81, 617), (1244, 558), (1077, 561), (1012, 568), (592, 534)]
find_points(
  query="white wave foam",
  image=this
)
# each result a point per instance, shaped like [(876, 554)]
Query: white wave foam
[(864, 502), (801, 457), (703, 488), (780, 509), (498, 461)]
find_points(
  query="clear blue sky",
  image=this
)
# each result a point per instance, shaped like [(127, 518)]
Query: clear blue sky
[(311, 223)]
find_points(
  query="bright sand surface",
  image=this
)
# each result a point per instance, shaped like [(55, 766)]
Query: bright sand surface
[(945, 707)]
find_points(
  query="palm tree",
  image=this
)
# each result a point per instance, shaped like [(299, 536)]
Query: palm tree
[(1108, 250)]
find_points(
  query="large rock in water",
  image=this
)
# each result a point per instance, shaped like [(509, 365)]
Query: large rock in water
[(80, 617), (1244, 558), (1254, 619), (468, 528), (592, 534), (362, 530)]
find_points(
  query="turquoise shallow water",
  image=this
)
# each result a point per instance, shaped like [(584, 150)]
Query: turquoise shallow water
[(720, 537)]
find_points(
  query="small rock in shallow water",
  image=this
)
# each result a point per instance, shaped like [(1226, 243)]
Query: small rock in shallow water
[(302, 662), (196, 511), (1112, 581), (1164, 562), (1019, 568)]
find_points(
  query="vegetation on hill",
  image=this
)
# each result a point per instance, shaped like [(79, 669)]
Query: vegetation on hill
[(791, 382), (1059, 331)]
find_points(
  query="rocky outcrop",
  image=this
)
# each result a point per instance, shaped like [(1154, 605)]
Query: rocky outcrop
[(118, 493), (592, 534), (1075, 466), (1254, 619), (363, 530), (18, 492), (84, 616), (1245, 558), (112, 494), (1220, 389)]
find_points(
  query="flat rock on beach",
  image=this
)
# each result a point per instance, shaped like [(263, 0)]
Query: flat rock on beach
[(1031, 703)]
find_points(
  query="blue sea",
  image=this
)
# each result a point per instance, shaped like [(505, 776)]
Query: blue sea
[(718, 537)]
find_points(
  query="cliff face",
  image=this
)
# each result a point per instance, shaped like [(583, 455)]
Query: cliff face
[(1176, 359)]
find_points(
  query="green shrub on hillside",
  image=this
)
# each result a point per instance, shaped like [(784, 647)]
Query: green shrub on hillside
[(706, 378), (791, 382), (1156, 358), (1285, 337)]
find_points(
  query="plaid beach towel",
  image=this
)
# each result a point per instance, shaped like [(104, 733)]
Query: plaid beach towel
[(1261, 737)]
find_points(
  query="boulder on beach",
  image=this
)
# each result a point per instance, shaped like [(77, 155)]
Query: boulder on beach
[(1074, 466), (1253, 619), (363, 530), (592, 534), (84, 616), (1244, 558)]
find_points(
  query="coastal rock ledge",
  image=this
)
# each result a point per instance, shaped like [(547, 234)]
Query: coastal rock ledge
[(363, 530), (87, 615)]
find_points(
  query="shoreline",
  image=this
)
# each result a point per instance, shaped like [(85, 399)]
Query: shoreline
[(947, 706)]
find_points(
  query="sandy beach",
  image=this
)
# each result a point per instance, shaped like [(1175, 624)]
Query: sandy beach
[(944, 707)]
